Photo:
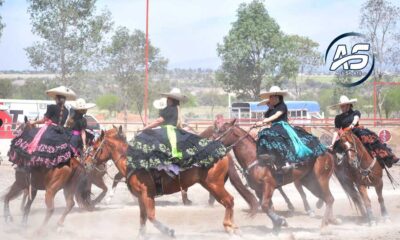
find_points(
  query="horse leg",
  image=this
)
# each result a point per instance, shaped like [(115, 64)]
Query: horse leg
[(287, 200), (24, 200), (15, 189), (117, 179), (225, 199), (367, 202), (266, 205), (27, 208), (378, 189), (186, 201), (69, 200), (99, 182), (303, 196), (49, 200), (151, 216)]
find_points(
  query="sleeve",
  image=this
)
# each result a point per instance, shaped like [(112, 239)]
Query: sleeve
[(50, 112), (281, 107), (337, 122), (357, 113), (84, 123)]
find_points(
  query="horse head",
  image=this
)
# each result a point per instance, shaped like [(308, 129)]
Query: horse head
[(109, 145), (351, 146)]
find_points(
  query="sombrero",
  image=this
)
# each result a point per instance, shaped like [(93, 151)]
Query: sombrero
[(176, 94), (344, 100), (3, 108), (81, 104), (63, 91), (263, 102), (274, 90), (160, 103)]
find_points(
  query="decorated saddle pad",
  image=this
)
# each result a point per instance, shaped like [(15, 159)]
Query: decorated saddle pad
[(166, 147)]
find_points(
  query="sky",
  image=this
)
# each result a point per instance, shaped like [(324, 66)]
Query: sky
[(188, 31)]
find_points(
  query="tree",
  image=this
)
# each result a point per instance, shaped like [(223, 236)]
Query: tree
[(392, 101), (379, 20), (72, 35), (1, 24), (125, 56), (5, 88), (33, 89), (255, 53), (108, 102)]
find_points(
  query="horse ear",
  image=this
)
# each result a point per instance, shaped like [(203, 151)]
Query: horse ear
[(233, 122), (25, 119), (120, 132), (102, 134), (114, 126)]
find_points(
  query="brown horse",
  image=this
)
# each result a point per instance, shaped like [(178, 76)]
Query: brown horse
[(112, 145), (358, 169), (71, 177), (261, 176)]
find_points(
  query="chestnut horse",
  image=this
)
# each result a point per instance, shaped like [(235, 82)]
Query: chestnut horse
[(357, 171), (112, 145), (70, 176), (314, 175)]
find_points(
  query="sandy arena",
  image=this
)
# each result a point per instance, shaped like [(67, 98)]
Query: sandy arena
[(120, 218)]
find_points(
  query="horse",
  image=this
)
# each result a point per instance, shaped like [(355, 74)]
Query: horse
[(356, 171), (314, 175), (112, 144), (212, 133), (69, 176)]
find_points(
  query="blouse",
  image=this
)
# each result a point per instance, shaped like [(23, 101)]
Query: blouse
[(345, 119), (279, 107), (53, 113), (170, 115)]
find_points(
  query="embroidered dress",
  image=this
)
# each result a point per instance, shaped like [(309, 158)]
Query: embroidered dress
[(370, 140), (287, 143), (46, 146), (79, 124), (168, 146)]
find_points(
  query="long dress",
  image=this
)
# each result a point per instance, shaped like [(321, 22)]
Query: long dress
[(370, 140), (168, 146), (47, 146), (79, 124), (287, 143)]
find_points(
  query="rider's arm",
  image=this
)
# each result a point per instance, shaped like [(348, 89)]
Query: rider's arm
[(355, 121), (335, 136), (41, 121), (154, 124), (270, 119), (83, 136)]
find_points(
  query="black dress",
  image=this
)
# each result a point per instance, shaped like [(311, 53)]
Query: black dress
[(370, 140), (79, 124), (47, 146), (169, 146), (292, 144)]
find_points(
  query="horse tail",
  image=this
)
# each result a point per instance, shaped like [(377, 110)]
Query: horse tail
[(80, 180), (241, 188), (343, 175)]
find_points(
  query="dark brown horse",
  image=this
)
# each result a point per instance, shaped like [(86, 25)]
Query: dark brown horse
[(357, 171), (261, 176), (71, 177), (112, 145)]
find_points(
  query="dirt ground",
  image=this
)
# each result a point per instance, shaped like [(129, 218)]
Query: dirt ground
[(120, 218)]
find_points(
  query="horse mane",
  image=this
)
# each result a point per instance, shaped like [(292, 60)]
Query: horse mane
[(251, 139), (357, 141)]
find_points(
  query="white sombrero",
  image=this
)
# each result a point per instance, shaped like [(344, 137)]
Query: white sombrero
[(160, 103), (63, 91), (344, 100), (176, 94), (263, 102), (3, 108), (274, 90), (81, 104)]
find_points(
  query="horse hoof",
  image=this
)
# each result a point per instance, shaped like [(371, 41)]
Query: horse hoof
[(319, 204), (60, 229), (372, 223), (335, 221), (187, 202), (311, 213), (171, 233), (386, 219)]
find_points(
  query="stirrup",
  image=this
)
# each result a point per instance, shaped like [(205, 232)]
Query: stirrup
[(288, 167)]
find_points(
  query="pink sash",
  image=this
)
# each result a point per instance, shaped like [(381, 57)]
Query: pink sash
[(34, 144)]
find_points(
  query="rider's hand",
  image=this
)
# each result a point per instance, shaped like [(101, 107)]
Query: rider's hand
[(259, 124), (330, 147)]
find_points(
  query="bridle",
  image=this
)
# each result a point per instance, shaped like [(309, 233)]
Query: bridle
[(357, 162)]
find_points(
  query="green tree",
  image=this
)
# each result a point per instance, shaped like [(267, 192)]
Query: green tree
[(391, 102), (6, 88), (71, 35), (255, 53), (108, 102), (126, 61), (1, 24), (33, 89)]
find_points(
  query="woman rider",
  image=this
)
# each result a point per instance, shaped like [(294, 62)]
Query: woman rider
[(349, 119), (169, 145), (49, 145), (77, 124), (291, 145)]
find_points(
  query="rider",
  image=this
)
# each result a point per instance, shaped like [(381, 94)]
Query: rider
[(293, 145), (349, 119), (171, 144), (77, 124), (48, 145)]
